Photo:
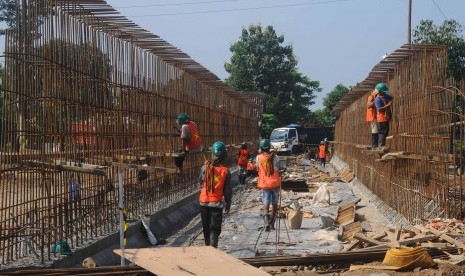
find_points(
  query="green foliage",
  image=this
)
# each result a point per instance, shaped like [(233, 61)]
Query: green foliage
[(333, 97), (326, 116), (323, 117), (8, 13), (11, 13), (269, 122), (450, 34), (260, 62)]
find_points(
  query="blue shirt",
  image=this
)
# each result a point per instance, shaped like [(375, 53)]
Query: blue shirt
[(379, 103)]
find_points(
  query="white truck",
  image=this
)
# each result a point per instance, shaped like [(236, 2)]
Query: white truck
[(285, 140)]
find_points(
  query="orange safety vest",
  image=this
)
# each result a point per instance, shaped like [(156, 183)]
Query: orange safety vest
[(219, 177), (267, 182), (250, 166), (195, 140), (371, 111), (383, 116), (322, 153), (243, 158)]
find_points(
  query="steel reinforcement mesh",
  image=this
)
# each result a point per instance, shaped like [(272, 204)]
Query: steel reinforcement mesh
[(420, 173), (87, 93)]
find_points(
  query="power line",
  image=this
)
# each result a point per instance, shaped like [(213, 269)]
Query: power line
[(434, 2), (239, 9)]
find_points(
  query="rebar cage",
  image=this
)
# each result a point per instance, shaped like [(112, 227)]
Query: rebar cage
[(421, 174), (87, 91)]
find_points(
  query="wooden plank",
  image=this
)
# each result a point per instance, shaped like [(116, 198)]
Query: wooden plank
[(364, 238), (440, 245), (346, 214), (347, 232), (192, 260), (442, 235), (369, 266), (417, 239), (39, 164), (141, 167), (356, 242), (398, 232)]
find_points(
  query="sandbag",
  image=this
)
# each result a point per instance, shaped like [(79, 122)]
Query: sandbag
[(294, 218), (322, 196)]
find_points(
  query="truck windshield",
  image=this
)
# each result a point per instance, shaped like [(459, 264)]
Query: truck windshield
[(278, 135)]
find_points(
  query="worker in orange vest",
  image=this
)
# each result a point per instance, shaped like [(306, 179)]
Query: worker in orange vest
[(269, 180), (242, 161), (322, 153), (383, 104), (371, 118), (216, 193), (191, 140)]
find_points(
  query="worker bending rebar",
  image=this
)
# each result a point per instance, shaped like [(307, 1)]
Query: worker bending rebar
[(269, 180), (216, 193), (191, 140)]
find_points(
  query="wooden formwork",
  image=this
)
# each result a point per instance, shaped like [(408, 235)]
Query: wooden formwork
[(419, 173), (86, 92)]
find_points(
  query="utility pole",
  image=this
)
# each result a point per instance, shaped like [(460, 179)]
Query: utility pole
[(409, 33)]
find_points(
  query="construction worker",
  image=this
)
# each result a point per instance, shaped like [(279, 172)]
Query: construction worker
[(371, 118), (251, 170), (327, 145), (242, 160), (322, 153), (216, 193), (191, 141), (383, 102), (269, 180)]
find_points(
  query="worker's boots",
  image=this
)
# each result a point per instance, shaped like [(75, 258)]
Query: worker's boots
[(214, 240), (271, 224), (267, 218)]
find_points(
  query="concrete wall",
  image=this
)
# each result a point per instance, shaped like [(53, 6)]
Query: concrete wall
[(163, 224)]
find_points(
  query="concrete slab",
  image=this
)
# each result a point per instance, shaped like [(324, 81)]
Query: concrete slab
[(242, 236)]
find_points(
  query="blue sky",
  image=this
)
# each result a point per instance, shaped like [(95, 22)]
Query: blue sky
[(335, 41)]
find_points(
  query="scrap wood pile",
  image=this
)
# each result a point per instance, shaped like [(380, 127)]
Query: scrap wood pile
[(439, 234), (346, 174)]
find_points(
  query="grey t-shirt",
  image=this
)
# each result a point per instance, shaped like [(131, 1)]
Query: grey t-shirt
[(185, 132)]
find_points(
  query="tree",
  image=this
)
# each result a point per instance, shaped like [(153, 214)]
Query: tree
[(269, 122), (326, 116), (260, 62), (11, 13), (449, 33)]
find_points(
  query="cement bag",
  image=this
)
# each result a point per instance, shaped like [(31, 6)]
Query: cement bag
[(408, 258), (322, 196), (294, 218)]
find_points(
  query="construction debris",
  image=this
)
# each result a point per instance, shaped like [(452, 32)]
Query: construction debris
[(346, 174)]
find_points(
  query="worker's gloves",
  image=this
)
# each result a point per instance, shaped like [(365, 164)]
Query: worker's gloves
[(226, 210)]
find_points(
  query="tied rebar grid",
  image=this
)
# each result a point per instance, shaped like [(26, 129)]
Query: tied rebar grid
[(85, 87), (422, 178)]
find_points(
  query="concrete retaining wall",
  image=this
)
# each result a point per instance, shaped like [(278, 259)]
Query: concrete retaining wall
[(394, 217)]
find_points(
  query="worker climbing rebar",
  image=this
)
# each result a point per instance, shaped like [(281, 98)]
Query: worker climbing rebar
[(191, 140), (216, 193), (269, 180)]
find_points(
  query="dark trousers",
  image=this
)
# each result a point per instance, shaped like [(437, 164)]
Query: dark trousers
[(383, 133), (374, 140), (212, 218), (323, 162)]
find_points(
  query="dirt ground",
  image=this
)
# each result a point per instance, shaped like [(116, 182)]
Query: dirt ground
[(442, 269)]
